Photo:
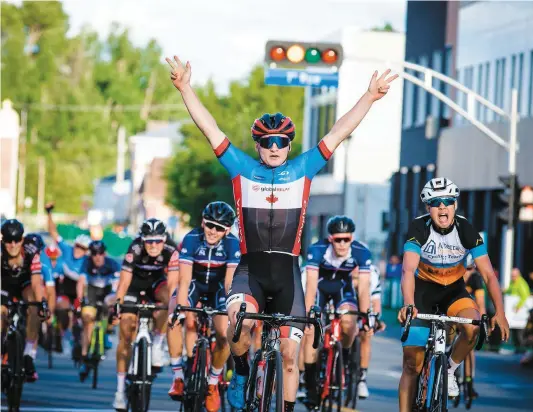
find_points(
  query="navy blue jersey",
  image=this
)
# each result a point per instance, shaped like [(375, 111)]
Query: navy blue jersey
[(321, 257), (271, 201), (102, 276), (209, 262)]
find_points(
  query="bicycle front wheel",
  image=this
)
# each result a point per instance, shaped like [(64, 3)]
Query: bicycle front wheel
[(15, 361), (198, 384), (336, 381), (273, 376), (438, 384), (140, 392)]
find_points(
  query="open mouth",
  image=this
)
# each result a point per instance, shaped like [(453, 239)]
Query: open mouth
[(443, 217)]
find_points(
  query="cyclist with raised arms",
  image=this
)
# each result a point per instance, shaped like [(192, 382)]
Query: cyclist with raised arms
[(150, 257), (434, 262), (330, 265), (21, 279), (98, 275), (208, 258), (271, 196)]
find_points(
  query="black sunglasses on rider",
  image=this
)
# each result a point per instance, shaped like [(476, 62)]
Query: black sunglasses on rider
[(211, 225), (9, 239), (342, 239), (153, 241), (268, 141)]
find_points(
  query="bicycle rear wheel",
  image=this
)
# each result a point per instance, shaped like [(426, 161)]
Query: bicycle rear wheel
[(273, 376), (197, 386), (49, 342), (355, 370), (336, 377), (16, 367), (95, 358), (438, 384)]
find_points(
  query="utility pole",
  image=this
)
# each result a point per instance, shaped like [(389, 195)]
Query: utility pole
[(22, 161)]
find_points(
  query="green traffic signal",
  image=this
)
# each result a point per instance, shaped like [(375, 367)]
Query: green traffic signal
[(312, 55)]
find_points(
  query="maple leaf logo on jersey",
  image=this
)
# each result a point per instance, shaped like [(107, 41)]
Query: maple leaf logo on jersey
[(272, 198)]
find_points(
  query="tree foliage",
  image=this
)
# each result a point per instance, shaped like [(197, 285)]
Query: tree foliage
[(194, 176), (42, 66)]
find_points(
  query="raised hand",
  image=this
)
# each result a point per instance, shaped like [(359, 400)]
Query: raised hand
[(180, 74), (379, 87)]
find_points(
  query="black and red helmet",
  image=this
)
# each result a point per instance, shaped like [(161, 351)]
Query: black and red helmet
[(273, 124)]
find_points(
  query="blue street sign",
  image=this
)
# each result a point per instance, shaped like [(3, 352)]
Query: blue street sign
[(287, 77)]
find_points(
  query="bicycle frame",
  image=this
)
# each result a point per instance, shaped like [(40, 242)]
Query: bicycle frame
[(143, 332)]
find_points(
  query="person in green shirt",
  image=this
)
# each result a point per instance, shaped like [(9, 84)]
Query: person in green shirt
[(520, 288)]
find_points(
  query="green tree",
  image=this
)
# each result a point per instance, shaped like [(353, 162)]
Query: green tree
[(387, 28), (41, 65), (194, 176)]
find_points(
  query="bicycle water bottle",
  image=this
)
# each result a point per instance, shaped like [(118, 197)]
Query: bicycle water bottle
[(260, 376)]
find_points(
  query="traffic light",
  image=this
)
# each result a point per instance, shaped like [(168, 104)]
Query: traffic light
[(509, 197), (289, 54), (526, 204)]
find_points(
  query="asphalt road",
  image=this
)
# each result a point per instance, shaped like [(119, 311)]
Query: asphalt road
[(503, 386)]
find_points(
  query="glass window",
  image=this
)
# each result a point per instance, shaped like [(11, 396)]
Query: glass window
[(479, 90), (421, 100), (503, 82), (408, 102), (437, 84), (530, 83), (448, 72), (513, 70), (486, 111), (497, 83), (326, 120), (520, 80)]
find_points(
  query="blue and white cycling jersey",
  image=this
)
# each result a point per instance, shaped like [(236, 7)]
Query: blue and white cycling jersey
[(321, 256), (102, 276), (209, 262), (47, 271), (271, 202), (71, 266)]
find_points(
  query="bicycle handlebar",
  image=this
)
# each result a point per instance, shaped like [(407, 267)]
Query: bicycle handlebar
[(278, 320), (143, 306), (205, 311), (483, 322)]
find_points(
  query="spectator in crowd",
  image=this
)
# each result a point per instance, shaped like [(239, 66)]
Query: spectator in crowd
[(394, 268), (530, 282), (519, 288)]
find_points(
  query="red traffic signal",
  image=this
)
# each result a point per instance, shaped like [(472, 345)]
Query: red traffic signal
[(303, 54)]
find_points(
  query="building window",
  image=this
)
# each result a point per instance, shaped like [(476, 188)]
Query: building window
[(326, 120), (513, 71), (408, 102), (497, 82), (448, 72), (503, 93), (421, 100), (486, 111), (479, 90), (520, 80), (434, 101), (530, 104)]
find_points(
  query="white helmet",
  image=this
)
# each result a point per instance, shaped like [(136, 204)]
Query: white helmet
[(439, 187), (83, 241)]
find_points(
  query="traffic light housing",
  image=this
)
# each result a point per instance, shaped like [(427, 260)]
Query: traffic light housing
[(290, 54), (510, 199)]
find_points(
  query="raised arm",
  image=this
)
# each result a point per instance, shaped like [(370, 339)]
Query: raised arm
[(345, 126), (52, 228), (181, 78)]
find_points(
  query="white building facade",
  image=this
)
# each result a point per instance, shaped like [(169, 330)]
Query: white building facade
[(373, 150)]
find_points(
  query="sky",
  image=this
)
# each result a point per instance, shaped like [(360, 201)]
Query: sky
[(223, 39)]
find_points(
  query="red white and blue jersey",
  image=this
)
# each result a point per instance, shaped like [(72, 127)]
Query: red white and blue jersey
[(209, 262), (271, 201), (321, 257)]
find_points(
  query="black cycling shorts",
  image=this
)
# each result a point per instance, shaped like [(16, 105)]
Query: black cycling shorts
[(96, 294), (66, 287), (339, 290), (433, 298), (272, 283), (214, 295), (142, 289)]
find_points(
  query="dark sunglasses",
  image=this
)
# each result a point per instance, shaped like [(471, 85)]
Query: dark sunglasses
[(153, 241), (12, 239), (447, 201), (218, 228), (342, 239), (268, 141)]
